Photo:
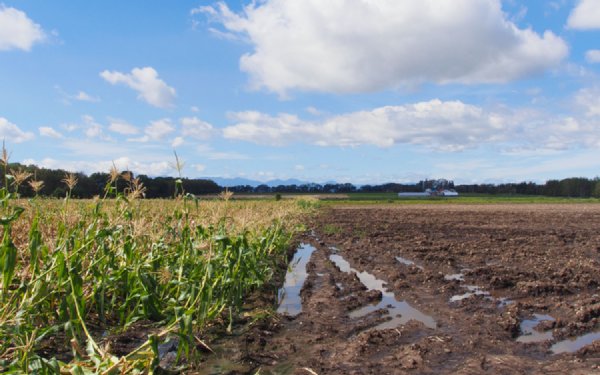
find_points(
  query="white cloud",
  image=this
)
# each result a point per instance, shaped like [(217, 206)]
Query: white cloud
[(122, 163), (194, 109), (585, 16), (82, 96), (47, 131), (435, 124), (359, 45), (589, 100), (442, 126), (178, 141), (593, 56), (203, 9), (70, 127), (12, 132), (122, 127), (17, 31), (199, 167), (196, 128), (92, 128), (314, 111), (146, 82), (158, 129), (232, 155)]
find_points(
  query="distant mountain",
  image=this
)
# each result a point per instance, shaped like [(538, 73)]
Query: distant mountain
[(228, 182), (289, 181)]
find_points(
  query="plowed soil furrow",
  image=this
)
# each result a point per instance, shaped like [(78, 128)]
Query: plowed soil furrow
[(514, 260)]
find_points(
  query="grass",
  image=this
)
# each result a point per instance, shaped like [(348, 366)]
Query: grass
[(74, 270)]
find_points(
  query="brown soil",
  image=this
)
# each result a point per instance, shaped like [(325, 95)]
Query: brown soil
[(543, 258)]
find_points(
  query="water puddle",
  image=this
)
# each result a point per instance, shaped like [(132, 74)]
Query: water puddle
[(408, 262), (455, 276), (400, 311), (473, 290), (528, 332), (573, 345), (289, 295), (503, 302)]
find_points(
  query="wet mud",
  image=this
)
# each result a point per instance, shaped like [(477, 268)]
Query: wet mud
[(453, 289)]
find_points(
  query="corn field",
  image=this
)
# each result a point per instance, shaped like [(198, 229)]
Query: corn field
[(74, 270)]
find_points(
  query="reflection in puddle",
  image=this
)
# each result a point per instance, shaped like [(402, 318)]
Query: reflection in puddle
[(400, 311), (289, 294), (530, 334), (408, 262), (473, 290), (455, 276), (573, 345), (503, 302)]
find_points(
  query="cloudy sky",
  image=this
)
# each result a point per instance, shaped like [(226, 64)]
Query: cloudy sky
[(348, 90)]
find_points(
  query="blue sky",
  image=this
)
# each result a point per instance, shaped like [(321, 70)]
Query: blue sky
[(362, 91)]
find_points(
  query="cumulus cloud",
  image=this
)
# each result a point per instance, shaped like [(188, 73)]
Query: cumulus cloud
[(159, 168), (159, 128), (146, 82), (196, 128), (122, 127), (359, 45), (441, 125), (47, 131), (17, 31), (593, 56), (156, 131), (92, 129), (449, 126), (585, 16), (12, 132)]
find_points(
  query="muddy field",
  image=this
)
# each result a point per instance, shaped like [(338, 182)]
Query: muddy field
[(451, 289)]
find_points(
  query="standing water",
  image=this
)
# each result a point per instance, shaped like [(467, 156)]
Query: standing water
[(573, 345), (289, 295), (530, 334), (400, 311)]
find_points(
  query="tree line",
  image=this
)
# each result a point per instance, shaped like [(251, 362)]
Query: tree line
[(569, 187), (94, 184), (91, 185)]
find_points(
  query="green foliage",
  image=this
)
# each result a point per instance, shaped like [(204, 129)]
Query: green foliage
[(110, 264), (332, 229)]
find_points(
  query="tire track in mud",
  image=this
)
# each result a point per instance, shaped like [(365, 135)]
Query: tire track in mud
[(473, 335)]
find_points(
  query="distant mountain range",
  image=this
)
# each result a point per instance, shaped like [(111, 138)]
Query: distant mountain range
[(228, 182), (238, 181)]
